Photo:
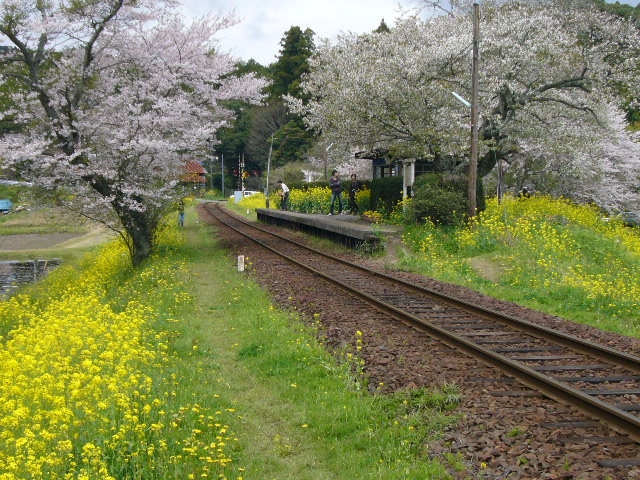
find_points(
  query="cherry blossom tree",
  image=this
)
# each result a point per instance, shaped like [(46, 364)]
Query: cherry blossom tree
[(549, 73), (115, 95)]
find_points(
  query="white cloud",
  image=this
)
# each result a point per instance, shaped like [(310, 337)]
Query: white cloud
[(263, 23)]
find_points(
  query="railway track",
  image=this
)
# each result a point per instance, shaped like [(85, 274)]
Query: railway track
[(598, 380)]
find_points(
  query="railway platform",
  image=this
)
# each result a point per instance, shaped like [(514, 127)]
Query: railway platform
[(349, 230)]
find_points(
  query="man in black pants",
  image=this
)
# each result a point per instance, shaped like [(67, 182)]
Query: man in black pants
[(355, 186), (284, 193)]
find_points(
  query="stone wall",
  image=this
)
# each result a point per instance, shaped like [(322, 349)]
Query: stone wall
[(14, 273)]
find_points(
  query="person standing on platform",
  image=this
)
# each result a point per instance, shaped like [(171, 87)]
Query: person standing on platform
[(336, 192), (355, 186), (284, 195)]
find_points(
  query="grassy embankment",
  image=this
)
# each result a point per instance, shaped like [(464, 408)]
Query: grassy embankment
[(546, 254), (184, 369)]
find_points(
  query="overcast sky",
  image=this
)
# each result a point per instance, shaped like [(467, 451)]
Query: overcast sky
[(263, 22)]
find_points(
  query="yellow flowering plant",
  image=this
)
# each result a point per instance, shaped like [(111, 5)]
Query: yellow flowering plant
[(554, 248), (88, 387)]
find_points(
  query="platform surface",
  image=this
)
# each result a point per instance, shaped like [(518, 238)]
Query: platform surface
[(348, 225)]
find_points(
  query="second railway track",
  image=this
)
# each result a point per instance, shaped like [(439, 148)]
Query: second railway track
[(601, 381)]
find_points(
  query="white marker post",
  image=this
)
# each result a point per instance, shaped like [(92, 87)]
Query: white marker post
[(241, 263)]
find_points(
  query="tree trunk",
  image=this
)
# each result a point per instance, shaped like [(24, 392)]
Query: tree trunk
[(141, 245), (141, 228)]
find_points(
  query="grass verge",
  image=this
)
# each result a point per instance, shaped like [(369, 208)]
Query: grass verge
[(303, 416)]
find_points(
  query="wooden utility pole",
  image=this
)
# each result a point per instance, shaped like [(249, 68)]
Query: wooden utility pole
[(266, 190), (473, 160)]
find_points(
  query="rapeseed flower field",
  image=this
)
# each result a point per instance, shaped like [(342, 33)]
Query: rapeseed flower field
[(89, 384), (552, 251), (313, 200)]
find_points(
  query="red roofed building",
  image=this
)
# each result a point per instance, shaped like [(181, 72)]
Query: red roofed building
[(194, 173)]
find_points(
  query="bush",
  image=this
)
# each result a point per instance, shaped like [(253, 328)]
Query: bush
[(345, 184), (290, 174), (385, 193), (440, 198)]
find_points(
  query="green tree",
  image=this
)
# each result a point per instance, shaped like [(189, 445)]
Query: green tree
[(233, 138), (291, 137), (382, 28), (297, 46), (291, 141)]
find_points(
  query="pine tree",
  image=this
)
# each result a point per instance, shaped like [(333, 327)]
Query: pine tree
[(297, 46), (382, 28)]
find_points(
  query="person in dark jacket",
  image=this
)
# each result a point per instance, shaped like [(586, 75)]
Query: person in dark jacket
[(353, 189), (336, 192)]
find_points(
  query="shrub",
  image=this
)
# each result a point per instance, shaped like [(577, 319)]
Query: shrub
[(363, 199), (290, 174), (345, 184), (440, 198), (385, 193)]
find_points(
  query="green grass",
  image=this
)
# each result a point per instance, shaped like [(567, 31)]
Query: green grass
[(301, 414), (16, 193), (46, 220), (233, 206), (545, 254)]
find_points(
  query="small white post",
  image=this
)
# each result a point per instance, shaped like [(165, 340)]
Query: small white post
[(408, 177), (241, 263)]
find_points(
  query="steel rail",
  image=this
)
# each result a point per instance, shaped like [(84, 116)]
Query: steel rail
[(602, 352), (616, 418)]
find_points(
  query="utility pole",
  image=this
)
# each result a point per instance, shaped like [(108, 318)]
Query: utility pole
[(266, 190), (500, 175), (473, 160), (242, 173)]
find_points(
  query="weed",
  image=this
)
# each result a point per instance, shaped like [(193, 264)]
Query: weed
[(515, 432), (252, 350), (455, 460)]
